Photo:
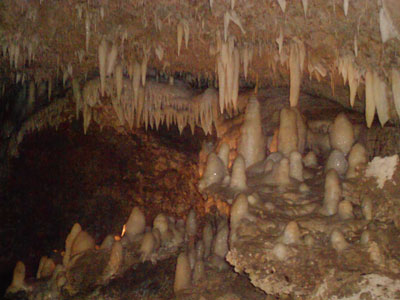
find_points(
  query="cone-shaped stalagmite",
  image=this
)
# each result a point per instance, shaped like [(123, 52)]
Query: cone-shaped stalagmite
[(252, 140)]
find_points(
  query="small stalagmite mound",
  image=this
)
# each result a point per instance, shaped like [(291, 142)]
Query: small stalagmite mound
[(341, 134), (291, 234), (332, 194), (296, 166), (310, 160), (18, 281), (76, 229), (238, 178), (338, 241), (358, 157), (183, 274), (147, 246), (83, 242), (337, 161), (136, 223), (214, 173)]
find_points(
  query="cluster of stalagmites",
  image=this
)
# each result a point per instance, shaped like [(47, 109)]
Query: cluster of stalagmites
[(84, 265), (281, 186)]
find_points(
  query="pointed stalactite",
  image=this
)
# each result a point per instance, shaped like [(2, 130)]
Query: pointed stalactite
[(282, 4), (305, 6), (143, 69), (396, 90), (118, 80), (77, 96), (380, 99), (369, 98), (295, 75), (102, 64), (221, 83), (353, 77), (346, 7), (136, 81), (112, 59), (179, 36), (87, 117), (236, 67)]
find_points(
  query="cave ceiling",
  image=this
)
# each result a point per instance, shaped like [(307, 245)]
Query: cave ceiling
[(342, 41)]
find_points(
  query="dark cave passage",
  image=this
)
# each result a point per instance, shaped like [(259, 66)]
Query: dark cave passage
[(62, 177)]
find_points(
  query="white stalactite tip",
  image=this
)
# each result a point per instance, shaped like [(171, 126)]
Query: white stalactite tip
[(345, 7), (396, 90), (282, 4), (369, 98), (179, 36), (102, 64)]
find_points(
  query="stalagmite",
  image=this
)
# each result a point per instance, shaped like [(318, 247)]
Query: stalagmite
[(380, 99), (369, 98), (107, 242), (102, 64), (214, 172), (291, 234), (199, 272), (280, 251), (341, 134), (83, 242), (76, 229), (182, 273), (191, 225), (287, 137), (136, 223), (160, 222), (18, 281), (345, 210), (239, 211), (252, 141), (115, 261), (358, 156), (296, 166), (310, 160), (338, 162), (220, 245), (223, 154), (46, 267), (207, 239), (338, 241), (147, 246), (238, 178), (332, 195), (396, 90)]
